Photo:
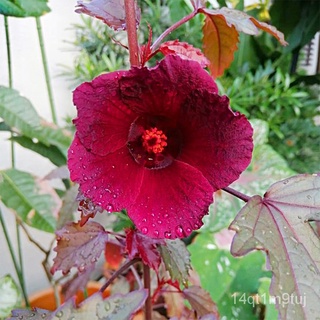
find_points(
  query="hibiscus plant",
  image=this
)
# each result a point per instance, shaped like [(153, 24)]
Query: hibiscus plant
[(158, 164)]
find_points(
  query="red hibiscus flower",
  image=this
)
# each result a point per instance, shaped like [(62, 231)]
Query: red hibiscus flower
[(158, 142)]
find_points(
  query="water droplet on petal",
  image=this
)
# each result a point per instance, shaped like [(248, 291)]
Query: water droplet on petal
[(188, 230), (156, 233), (159, 221), (93, 260), (179, 231), (109, 207), (144, 220), (167, 234), (59, 314), (144, 230)]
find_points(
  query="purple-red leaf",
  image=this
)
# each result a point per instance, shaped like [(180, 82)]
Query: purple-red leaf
[(78, 246), (185, 51), (279, 224), (111, 12), (145, 247), (201, 301)]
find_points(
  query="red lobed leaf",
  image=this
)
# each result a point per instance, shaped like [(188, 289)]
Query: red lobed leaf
[(279, 224), (201, 302), (219, 44), (220, 35), (143, 246), (243, 22), (111, 12), (78, 246), (185, 51), (113, 255)]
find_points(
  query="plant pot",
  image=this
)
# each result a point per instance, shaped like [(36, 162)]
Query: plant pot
[(45, 299)]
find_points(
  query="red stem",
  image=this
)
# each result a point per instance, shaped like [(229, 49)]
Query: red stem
[(237, 194), (130, 9), (147, 285), (172, 28)]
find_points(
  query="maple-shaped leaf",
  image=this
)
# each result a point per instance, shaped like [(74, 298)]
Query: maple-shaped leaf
[(219, 44), (185, 51), (113, 255), (176, 258), (78, 246), (220, 35), (76, 283), (279, 224), (200, 301), (137, 244), (111, 12), (117, 307)]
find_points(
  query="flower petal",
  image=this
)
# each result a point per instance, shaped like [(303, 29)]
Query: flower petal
[(217, 141), (171, 202), (162, 89), (112, 181), (103, 120)]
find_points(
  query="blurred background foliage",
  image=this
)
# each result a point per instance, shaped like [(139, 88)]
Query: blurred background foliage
[(263, 82)]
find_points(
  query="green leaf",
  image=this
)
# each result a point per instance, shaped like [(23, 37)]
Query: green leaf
[(19, 114), (279, 224), (227, 278), (176, 258), (50, 152), (10, 296), (266, 167), (23, 8), (35, 202)]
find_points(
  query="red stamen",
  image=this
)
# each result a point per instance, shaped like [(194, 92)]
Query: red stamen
[(154, 140)]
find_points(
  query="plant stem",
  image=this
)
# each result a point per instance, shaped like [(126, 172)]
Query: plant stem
[(237, 194), (130, 10), (147, 285), (6, 26), (14, 260), (172, 28), (46, 70), (118, 272)]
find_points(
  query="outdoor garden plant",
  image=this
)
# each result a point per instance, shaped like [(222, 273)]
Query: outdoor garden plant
[(197, 216)]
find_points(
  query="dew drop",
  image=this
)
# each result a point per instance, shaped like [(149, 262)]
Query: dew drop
[(153, 225), (84, 166), (59, 314), (166, 215), (107, 306), (179, 231), (114, 196), (113, 167), (144, 220), (167, 234), (196, 226), (159, 221), (144, 230), (43, 315), (94, 187), (81, 268), (109, 207), (188, 230), (156, 233), (309, 197), (93, 260), (108, 190)]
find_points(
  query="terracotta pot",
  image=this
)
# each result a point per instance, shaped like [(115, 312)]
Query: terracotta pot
[(45, 299)]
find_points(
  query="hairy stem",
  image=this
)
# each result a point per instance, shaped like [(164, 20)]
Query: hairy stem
[(237, 194), (14, 260), (147, 285), (46, 70), (172, 28), (119, 272), (132, 32)]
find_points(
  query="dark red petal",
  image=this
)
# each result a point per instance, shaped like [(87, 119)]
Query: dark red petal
[(162, 90), (111, 181), (171, 202), (217, 141), (103, 120)]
